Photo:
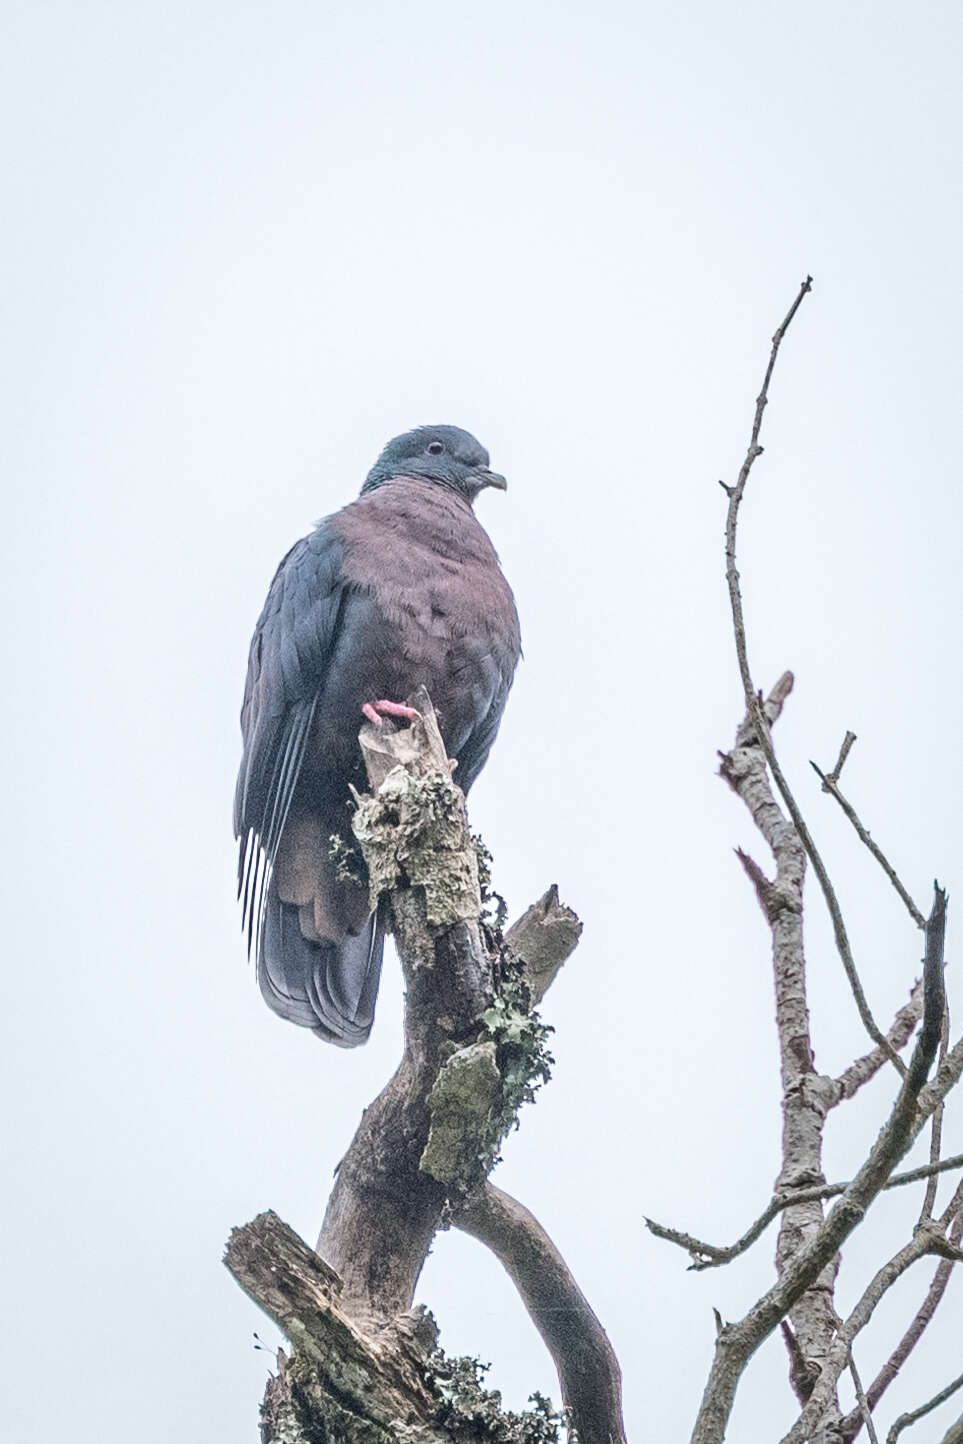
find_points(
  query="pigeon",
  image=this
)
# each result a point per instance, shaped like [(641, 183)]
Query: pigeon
[(400, 589)]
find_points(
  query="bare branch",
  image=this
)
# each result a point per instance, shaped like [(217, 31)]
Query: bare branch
[(544, 937), (913, 1334), (928, 1237), (861, 1399), (936, 1128), (587, 1367), (823, 1393), (899, 1034), (830, 782), (756, 711), (832, 902), (762, 399), (772, 710), (738, 1342), (352, 1375), (803, 1372), (942, 1248), (845, 747), (946, 1076), (905, 1420), (768, 895), (806, 1095), (707, 1255)]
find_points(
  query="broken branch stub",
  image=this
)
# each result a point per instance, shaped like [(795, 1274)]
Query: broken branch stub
[(357, 1386), (363, 1367), (544, 938), (412, 828)]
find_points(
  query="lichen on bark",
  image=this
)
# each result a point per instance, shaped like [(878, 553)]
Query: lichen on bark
[(463, 1102), (470, 1412), (363, 1370), (475, 1099), (298, 1408), (413, 832)]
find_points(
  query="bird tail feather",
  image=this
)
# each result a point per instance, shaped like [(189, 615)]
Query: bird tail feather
[(328, 987)]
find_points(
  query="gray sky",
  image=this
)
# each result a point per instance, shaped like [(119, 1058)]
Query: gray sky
[(246, 244)]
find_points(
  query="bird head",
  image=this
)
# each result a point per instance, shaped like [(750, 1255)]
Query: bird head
[(445, 455)]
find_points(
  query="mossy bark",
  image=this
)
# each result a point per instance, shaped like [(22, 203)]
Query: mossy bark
[(365, 1368)]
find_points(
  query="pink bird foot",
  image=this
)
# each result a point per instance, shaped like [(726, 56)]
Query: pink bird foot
[(376, 711)]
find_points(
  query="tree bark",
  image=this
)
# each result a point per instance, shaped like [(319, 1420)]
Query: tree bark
[(364, 1360)]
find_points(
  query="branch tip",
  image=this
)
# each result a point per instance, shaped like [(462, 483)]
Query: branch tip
[(830, 784)]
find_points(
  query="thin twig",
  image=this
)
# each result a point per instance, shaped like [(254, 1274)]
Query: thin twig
[(947, 1075), (756, 711), (845, 747), (905, 1420), (919, 1324), (830, 782), (824, 1390), (864, 1408), (936, 1130), (707, 1255), (900, 1030)]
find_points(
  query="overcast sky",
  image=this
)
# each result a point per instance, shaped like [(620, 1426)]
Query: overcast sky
[(243, 246)]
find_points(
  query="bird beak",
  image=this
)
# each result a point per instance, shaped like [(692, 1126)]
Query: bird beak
[(491, 478)]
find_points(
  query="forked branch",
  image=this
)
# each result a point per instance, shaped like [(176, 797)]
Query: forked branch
[(830, 782), (707, 1255), (808, 1250), (754, 706), (363, 1364), (917, 1327), (738, 1342)]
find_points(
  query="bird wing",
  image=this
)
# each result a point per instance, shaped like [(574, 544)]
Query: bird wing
[(290, 653), (474, 754), (491, 681)]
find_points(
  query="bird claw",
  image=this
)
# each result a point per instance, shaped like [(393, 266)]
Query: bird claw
[(377, 711)]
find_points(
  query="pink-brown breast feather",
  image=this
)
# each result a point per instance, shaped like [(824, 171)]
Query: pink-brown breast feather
[(435, 574), (441, 614)]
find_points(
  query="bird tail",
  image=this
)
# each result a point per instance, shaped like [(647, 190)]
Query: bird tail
[(328, 987)]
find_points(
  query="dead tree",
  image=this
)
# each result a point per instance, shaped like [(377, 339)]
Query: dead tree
[(801, 1302), (365, 1365)]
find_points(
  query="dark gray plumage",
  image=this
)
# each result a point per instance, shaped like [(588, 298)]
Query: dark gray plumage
[(400, 589)]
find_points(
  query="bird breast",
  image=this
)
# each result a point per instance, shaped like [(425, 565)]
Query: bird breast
[(442, 614)]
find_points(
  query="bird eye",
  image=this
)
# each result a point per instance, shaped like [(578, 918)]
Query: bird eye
[(435, 447)]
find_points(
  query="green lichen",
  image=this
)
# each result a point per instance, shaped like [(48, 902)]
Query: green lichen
[(348, 862), (464, 1101), (521, 1046), (472, 1414), (511, 1022), (299, 1409), (494, 913), (475, 1099), (413, 831)]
